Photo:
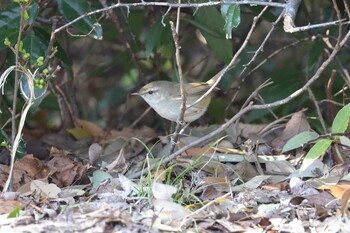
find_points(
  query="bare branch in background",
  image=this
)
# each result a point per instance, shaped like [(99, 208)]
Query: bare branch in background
[(290, 12)]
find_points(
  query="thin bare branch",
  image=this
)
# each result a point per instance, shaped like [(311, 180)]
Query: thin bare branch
[(217, 78), (170, 5), (180, 120), (290, 13)]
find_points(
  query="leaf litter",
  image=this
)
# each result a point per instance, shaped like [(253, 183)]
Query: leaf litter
[(235, 183)]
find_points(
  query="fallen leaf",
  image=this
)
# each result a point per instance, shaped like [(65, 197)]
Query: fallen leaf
[(336, 190), (163, 191), (6, 206), (168, 210), (44, 190), (345, 202), (297, 124), (95, 130), (95, 151)]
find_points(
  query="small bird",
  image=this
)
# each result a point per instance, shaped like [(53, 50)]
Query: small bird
[(165, 98)]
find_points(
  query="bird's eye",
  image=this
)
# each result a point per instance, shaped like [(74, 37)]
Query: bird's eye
[(150, 92)]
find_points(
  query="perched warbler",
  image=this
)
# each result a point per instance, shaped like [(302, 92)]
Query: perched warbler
[(165, 98)]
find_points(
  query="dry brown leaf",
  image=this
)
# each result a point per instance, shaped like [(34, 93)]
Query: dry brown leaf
[(119, 164), (345, 202), (284, 186), (214, 187), (44, 190), (67, 170), (336, 190), (95, 151), (26, 169), (95, 130), (6, 206), (26, 188), (244, 171), (297, 124), (196, 151), (321, 199), (127, 133), (34, 167), (221, 182)]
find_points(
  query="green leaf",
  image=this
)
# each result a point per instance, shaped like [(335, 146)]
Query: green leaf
[(341, 120), (10, 19), (87, 25), (98, 177), (158, 36), (316, 51), (79, 133), (315, 152), (232, 16), (35, 45), (25, 15), (21, 149), (153, 37), (38, 92), (61, 54), (33, 11), (15, 212), (3, 138), (299, 140), (210, 23)]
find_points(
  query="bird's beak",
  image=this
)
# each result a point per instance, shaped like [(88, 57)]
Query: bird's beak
[(136, 93)]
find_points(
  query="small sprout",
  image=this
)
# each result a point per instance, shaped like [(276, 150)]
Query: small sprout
[(4, 143), (26, 56), (26, 15), (7, 42), (21, 50), (20, 45)]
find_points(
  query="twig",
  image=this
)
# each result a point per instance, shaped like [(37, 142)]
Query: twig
[(291, 10), (216, 200), (140, 117), (30, 80), (329, 94), (217, 78), (346, 5), (251, 107), (8, 184), (178, 19), (65, 107), (318, 110), (255, 20), (125, 40), (180, 120), (274, 54), (49, 51), (171, 5), (261, 47)]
